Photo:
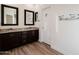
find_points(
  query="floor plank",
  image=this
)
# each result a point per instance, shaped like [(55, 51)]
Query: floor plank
[(36, 48)]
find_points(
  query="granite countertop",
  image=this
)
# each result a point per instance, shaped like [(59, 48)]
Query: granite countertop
[(17, 29)]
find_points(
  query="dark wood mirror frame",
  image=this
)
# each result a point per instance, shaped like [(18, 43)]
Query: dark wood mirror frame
[(25, 20), (2, 15), (36, 16)]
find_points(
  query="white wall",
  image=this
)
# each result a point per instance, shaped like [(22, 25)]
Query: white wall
[(68, 31), (64, 34), (21, 8)]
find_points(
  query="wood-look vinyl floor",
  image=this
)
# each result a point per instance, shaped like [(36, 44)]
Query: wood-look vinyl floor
[(36, 48)]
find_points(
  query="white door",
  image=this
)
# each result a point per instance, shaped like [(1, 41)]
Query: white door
[(46, 36)]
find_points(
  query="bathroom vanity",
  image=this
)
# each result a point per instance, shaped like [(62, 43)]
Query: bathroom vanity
[(12, 38)]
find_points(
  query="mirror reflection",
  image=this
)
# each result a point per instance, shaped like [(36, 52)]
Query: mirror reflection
[(9, 16)]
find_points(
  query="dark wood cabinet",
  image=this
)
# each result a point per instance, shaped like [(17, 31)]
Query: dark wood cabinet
[(15, 39)]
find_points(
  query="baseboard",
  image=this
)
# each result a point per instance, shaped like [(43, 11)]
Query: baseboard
[(50, 46), (57, 50)]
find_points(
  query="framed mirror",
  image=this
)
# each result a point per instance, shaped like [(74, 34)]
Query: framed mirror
[(9, 15), (28, 17)]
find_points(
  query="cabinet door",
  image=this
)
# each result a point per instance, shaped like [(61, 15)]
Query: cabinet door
[(15, 39), (11, 40), (27, 37), (5, 41), (1, 41), (33, 35), (36, 35), (24, 37)]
